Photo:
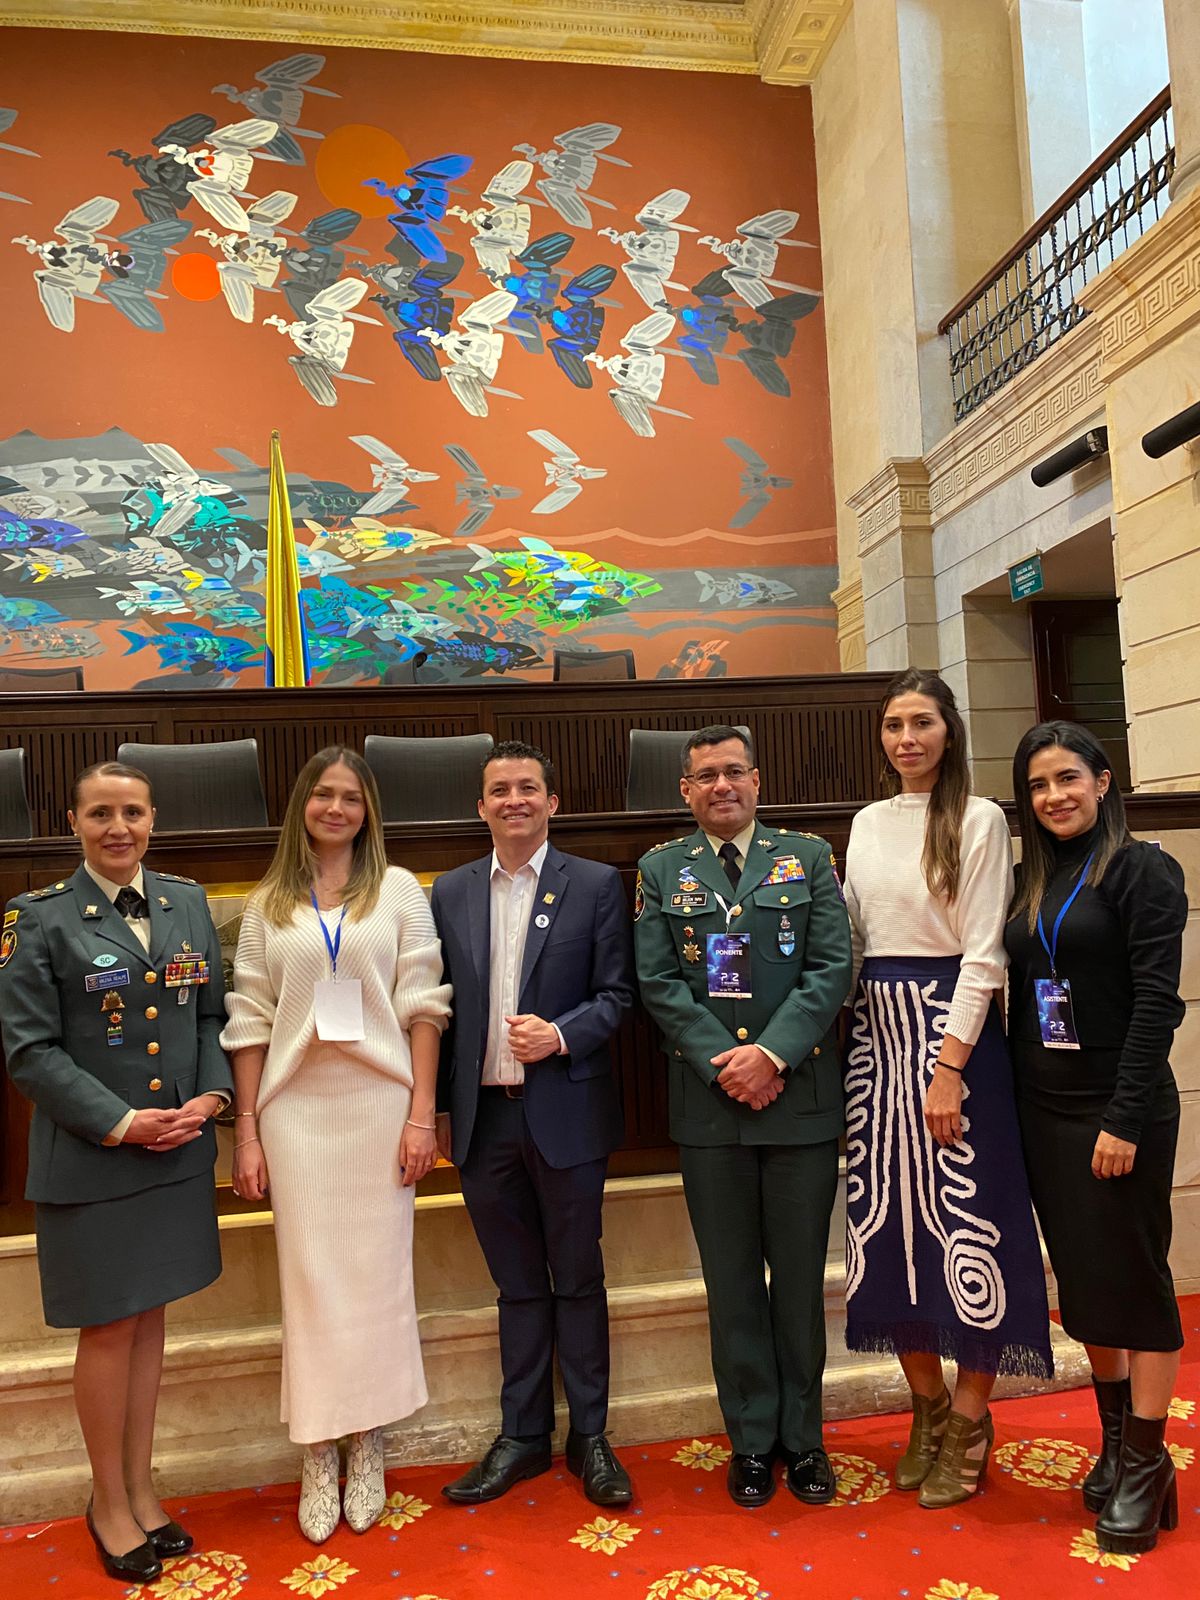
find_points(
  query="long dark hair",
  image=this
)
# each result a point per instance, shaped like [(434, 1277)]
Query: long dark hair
[(1037, 850), (948, 802)]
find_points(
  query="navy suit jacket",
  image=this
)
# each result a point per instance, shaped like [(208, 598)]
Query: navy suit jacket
[(577, 973)]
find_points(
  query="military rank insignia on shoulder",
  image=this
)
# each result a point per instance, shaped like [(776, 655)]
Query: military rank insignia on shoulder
[(174, 877), (667, 843), (48, 892)]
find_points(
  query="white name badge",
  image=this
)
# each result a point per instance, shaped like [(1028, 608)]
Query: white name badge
[(337, 1009)]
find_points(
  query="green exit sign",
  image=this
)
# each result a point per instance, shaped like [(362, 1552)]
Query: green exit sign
[(1026, 578)]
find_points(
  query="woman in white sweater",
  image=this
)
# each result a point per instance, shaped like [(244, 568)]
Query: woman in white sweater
[(334, 1027), (942, 1257)]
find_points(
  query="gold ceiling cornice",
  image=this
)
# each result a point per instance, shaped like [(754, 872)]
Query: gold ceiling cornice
[(783, 41)]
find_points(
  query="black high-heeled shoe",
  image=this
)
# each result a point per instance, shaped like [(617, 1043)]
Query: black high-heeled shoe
[(169, 1540), (139, 1565)]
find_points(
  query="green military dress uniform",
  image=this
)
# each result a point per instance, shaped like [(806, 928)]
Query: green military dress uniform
[(91, 1029), (760, 1185)]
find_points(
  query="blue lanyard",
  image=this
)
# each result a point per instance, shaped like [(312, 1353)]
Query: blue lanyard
[(332, 945), (1051, 949)]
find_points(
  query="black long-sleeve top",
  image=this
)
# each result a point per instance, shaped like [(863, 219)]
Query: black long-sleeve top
[(1120, 946)]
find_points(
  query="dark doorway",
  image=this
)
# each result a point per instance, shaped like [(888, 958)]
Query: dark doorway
[(1077, 670)]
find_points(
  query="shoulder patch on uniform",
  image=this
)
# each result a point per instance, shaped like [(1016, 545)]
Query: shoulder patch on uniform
[(639, 897), (174, 877), (48, 892), (667, 843), (8, 945)]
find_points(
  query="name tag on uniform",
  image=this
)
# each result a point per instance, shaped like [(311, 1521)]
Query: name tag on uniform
[(729, 966), (1056, 1020), (690, 900), (337, 1010), (115, 979)]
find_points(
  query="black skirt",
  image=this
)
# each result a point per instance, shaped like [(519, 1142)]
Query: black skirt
[(1108, 1238), (108, 1259)]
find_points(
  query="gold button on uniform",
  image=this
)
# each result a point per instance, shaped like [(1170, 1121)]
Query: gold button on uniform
[(156, 1083), (736, 912), (152, 977), (679, 1053), (816, 1049), (742, 1034), (151, 1013), (153, 1047), (783, 900)]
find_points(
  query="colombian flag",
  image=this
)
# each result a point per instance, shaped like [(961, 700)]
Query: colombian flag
[(287, 642)]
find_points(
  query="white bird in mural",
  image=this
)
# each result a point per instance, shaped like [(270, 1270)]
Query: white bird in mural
[(391, 476), (752, 257), (475, 353), (639, 374), (253, 258), (564, 471), (571, 168), (73, 264), (324, 343), (181, 488), (7, 117), (652, 252), (502, 225), (223, 167)]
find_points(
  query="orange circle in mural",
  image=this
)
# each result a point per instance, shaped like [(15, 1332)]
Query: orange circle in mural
[(195, 275), (352, 154)]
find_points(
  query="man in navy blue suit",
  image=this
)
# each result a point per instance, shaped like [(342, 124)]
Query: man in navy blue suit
[(538, 947)]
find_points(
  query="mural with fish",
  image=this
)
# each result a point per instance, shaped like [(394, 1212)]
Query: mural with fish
[(551, 381)]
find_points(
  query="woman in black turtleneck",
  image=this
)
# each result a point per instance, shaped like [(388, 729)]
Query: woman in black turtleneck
[(1097, 1101)]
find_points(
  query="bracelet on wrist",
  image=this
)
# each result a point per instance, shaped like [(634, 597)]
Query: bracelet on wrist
[(242, 1143), (425, 1127), (948, 1067), (245, 1113)]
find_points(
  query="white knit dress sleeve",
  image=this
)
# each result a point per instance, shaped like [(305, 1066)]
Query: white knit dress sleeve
[(858, 941), (418, 994), (252, 1002), (977, 914)]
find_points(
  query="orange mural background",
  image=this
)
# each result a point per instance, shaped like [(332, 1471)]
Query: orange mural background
[(738, 147)]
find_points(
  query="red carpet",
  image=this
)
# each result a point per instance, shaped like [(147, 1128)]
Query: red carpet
[(1027, 1535)]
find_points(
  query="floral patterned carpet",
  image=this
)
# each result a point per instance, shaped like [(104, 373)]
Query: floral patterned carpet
[(1026, 1535)]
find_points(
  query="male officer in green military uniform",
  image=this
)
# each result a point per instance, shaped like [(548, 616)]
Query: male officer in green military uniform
[(743, 957)]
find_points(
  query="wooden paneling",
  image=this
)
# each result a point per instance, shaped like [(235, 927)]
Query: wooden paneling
[(815, 736)]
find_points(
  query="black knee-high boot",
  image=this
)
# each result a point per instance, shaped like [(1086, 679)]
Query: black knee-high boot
[(1111, 1400), (1144, 1497)]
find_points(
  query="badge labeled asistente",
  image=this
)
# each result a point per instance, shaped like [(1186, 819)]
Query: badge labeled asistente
[(1056, 1020)]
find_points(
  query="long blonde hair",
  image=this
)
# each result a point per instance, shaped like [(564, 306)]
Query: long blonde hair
[(948, 802), (289, 879)]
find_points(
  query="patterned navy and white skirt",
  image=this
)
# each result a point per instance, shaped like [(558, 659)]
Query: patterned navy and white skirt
[(942, 1255)]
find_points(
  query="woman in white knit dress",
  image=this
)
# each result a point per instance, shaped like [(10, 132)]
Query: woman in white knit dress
[(942, 1257), (334, 1026)]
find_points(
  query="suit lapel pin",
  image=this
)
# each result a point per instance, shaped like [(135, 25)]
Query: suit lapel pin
[(541, 920), (547, 899), (164, 902)]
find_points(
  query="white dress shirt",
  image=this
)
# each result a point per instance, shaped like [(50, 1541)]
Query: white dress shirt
[(511, 902)]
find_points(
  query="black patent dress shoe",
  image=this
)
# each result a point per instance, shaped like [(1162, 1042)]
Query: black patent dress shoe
[(139, 1565), (605, 1481), (809, 1476), (508, 1462), (750, 1480), (169, 1540)]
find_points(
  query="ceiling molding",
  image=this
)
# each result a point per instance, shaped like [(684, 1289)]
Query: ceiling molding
[(784, 41)]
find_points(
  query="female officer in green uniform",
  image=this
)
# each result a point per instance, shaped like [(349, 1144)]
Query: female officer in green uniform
[(112, 1000)]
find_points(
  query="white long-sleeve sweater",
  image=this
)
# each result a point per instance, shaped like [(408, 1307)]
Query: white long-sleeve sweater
[(892, 912), (394, 952)]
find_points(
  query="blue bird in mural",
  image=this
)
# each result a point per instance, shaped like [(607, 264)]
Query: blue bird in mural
[(423, 202), (318, 263), (768, 333), (576, 326), (414, 297), (281, 99)]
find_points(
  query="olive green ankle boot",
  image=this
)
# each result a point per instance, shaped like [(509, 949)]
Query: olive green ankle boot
[(924, 1440), (962, 1463)]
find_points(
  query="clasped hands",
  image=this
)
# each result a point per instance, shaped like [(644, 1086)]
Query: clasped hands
[(168, 1128), (748, 1074)]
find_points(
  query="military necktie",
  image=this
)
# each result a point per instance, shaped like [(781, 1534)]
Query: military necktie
[(728, 855)]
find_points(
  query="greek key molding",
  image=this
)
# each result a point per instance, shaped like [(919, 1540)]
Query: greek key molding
[(1053, 397), (851, 625), (784, 40), (896, 500), (1151, 292)]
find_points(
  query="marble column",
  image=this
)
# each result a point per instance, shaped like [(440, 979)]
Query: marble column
[(1183, 56)]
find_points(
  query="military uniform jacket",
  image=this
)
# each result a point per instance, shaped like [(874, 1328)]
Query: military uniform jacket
[(790, 904), (56, 1032)]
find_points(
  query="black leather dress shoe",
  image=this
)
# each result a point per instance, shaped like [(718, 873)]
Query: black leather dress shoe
[(809, 1476), (750, 1479), (507, 1462), (139, 1565), (169, 1540), (605, 1481)]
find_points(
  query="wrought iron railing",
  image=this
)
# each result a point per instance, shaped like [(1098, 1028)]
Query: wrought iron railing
[(1028, 301)]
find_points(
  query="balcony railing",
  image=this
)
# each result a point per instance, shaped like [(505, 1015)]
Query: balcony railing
[(1028, 301)]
